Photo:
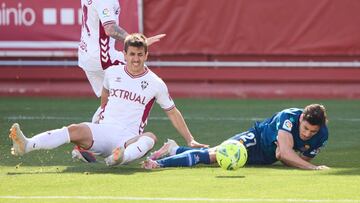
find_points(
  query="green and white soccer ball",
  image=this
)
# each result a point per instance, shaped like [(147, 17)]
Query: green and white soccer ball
[(231, 155)]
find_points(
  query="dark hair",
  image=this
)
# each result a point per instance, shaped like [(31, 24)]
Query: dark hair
[(135, 40), (315, 114)]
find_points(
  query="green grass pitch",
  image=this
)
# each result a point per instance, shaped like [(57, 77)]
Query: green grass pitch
[(52, 176)]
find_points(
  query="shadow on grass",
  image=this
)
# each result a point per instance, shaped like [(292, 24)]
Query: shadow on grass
[(86, 170), (49, 164), (334, 169), (229, 176), (345, 171), (89, 171), (52, 167), (54, 158)]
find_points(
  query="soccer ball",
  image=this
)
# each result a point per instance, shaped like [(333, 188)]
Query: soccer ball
[(231, 155)]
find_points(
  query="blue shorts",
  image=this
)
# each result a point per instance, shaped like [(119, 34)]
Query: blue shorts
[(251, 140)]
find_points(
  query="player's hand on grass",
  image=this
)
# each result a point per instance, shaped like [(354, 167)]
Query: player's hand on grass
[(322, 167), (195, 144), (153, 39)]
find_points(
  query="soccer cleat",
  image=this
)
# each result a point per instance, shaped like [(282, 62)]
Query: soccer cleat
[(83, 155), (19, 140), (150, 164), (116, 157), (164, 151)]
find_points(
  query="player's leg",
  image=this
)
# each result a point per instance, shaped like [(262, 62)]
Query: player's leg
[(185, 159), (76, 133), (81, 135), (169, 148), (106, 138), (46, 140), (134, 149), (108, 141), (138, 147)]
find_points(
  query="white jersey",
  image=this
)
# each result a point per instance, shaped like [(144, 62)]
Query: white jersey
[(131, 98), (97, 50)]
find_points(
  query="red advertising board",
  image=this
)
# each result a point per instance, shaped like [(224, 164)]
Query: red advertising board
[(254, 27), (50, 25), (196, 27)]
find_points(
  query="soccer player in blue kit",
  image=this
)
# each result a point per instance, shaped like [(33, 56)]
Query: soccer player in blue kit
[(293, 136)]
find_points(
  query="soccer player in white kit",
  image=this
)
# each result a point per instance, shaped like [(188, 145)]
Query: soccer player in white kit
[(127, 97), (96, 51)]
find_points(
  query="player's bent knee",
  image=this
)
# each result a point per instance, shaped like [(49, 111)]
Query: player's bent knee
[(148, 140), (151, 135), (73, 130), (80, 134)]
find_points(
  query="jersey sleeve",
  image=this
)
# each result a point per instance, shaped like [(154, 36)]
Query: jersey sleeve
[(285, 122), (105, 10), (163, 97)]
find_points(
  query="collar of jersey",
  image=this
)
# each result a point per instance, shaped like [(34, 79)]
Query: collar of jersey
[(136, 76)]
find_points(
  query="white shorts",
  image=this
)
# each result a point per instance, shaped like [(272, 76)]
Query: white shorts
[(96, 79), (107, 137)]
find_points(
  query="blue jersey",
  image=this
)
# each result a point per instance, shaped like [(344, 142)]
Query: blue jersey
[(261, 139)]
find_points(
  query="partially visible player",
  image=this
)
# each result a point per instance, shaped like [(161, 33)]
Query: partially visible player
[(293, 136), (128, 95), (100, 29)]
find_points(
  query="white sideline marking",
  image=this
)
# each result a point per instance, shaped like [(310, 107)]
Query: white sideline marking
[(177, 199), (199, 118)]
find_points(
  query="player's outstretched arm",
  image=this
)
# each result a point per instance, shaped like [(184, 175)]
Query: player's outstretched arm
[(286, 154), (179, 123), (115, 31), (154, 39)]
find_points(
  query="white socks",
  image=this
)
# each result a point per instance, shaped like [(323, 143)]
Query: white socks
[(138, 149), (48, 140)]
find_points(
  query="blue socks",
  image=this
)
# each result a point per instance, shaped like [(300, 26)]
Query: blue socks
[(182, 149), (186, 156)]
